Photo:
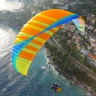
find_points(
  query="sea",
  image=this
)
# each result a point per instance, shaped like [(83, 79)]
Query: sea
[(10, 5), (39, 81)]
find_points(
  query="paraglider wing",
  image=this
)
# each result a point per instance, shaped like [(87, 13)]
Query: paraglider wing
[(34, 34), (80, 24)]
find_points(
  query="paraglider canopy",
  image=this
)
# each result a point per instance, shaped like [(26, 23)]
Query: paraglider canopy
[(36, 32)]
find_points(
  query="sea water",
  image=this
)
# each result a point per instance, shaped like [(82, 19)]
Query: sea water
[(10, 5), (38, 82)]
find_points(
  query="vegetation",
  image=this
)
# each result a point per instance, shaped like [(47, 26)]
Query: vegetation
[(61, 59), (64, 65), (83, 7), (72, 50), (18, 18)]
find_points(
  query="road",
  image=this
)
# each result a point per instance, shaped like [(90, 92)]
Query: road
[(83, 68)]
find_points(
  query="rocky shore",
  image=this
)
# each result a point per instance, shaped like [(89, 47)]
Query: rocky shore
[(73, 81)]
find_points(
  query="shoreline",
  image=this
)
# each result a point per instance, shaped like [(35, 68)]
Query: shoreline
[(73, 81)]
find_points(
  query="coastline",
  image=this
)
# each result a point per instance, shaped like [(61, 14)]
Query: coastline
[(48, 59), (73, 81)]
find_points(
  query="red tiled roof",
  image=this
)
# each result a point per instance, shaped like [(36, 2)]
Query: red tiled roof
[(92, 55)]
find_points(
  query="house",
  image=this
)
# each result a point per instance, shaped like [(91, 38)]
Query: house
[(83, 33), (91, 55), (90, 27), (93, 43), (93, 21), (84, 51), (56, 2), (33, 11), (92, 15), (89, 47), (94, 48), (72, 27), (69, 27), (94, 29), (78, 46), (77, 40)]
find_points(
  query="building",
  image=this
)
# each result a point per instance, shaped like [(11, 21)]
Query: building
[(92, 56)]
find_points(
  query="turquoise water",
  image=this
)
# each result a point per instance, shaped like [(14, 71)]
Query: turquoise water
[(38, 82)]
